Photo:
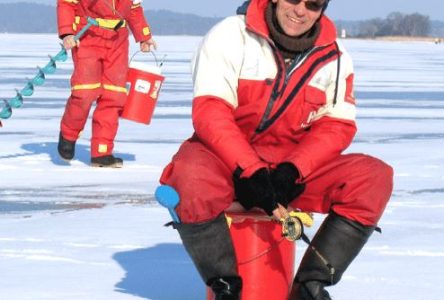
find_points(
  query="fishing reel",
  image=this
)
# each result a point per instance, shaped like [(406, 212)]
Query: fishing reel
[(293, 225), (292, 228)]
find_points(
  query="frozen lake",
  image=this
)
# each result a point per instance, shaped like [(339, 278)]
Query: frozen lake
[(73, 232)]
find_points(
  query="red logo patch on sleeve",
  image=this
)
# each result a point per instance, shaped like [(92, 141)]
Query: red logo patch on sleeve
[(349, 95)]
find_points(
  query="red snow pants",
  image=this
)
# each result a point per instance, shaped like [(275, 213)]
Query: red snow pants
[(100, 69), (355, 186)]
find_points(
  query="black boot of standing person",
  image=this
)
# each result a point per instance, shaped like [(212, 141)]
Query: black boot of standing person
[(66, 148), (107, 161), (335, 245)]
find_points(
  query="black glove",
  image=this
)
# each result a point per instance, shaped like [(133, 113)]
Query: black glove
[(255, 191), (283, 179)]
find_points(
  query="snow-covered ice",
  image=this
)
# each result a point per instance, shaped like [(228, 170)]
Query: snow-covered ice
[(75, 232)]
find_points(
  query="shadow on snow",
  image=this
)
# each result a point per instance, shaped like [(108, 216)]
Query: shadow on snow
[(163, 272), (82, 153)]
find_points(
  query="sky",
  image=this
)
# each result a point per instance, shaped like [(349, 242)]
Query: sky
[(339, 9), (70, 232)]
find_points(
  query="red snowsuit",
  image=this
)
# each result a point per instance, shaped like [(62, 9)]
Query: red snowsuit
[(100, 65), (251, 111)]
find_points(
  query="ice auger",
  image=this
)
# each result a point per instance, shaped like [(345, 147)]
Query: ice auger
[(6, 106)]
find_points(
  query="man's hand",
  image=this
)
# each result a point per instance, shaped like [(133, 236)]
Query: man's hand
[(284, 182), (280, 212), (147, 46), (70, 42), (255, 191)]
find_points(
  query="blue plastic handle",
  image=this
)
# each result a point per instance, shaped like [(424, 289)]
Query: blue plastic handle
[(90, 23), (169, 198)]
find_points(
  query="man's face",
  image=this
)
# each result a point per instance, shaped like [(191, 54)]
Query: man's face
[(294, 17)]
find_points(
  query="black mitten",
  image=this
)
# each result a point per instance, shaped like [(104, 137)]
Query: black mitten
[(255, 191), (284, 182)]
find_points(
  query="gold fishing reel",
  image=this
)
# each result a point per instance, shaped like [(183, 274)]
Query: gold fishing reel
[(293, 225), (292, 228)]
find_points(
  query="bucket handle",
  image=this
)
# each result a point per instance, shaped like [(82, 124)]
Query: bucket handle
[(262, 253), (154, 55)]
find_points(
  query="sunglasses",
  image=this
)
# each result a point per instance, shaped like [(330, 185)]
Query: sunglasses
[(310, 5)]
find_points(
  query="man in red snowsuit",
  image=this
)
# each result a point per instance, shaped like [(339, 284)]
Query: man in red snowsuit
[(100, 68), (273, 111)]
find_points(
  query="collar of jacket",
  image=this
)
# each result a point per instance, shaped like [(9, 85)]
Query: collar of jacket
[(255, 21)]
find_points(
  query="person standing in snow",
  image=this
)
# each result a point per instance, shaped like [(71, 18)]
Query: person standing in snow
[(100, 69), (273, 111)]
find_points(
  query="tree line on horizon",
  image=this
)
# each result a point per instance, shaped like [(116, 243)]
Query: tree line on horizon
[(40, 18), (396, 24)]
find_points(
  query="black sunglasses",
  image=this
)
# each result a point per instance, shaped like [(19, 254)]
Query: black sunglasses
[(316, 5)]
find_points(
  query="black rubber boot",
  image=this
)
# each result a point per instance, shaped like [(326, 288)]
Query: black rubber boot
[(336, 244), (210, 247), (107, 161), (226, 288), (310, 290), (66, 148)]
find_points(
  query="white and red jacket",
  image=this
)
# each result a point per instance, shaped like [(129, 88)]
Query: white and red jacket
[(253, 112)]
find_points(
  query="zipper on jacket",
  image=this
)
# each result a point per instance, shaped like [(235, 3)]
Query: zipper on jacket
[(266, 121), (276, 92), (298, 61)]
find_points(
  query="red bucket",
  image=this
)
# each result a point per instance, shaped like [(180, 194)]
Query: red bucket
[(143, 85), (265, 259)]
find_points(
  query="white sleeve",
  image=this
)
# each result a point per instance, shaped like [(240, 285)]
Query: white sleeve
[(218, 62)]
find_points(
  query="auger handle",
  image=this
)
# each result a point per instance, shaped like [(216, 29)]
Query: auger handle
[(91, 22)]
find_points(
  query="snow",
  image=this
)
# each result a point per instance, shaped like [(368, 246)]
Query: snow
[(69, 231)]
